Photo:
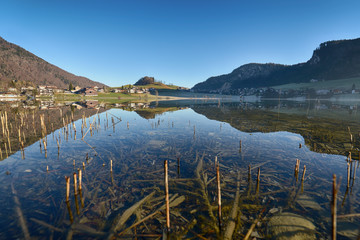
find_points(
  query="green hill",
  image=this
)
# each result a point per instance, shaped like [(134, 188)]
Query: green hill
[(155, 85)]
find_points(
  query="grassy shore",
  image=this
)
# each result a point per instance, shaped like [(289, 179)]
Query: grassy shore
[(343, 84), (114, 97), (155, 85)]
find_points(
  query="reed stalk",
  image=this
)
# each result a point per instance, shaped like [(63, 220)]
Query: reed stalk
[(218, 194), (80, 179), (348, 174), (333, 208), (9, 143), (166, 181), (231, 222), (75, 183), (6, 150), (24, 139), (67, 188), (303, 175), (20, 215), (77, 205)]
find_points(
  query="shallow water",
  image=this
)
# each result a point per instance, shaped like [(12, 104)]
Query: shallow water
[(33, 198)]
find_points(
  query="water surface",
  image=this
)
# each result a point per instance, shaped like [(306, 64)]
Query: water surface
[(139, 138)]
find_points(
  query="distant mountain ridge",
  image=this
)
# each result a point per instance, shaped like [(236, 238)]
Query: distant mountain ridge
[(17, 64), (330, 61)]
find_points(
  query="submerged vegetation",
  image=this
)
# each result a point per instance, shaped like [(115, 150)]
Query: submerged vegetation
[(222, 182)]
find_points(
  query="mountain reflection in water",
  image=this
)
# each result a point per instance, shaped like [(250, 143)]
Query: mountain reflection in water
[(120, 150)]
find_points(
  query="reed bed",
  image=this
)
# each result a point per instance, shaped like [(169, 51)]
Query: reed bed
[(115, 198)]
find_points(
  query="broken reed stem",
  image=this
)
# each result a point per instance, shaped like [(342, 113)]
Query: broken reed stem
[(6, 150), (44, 143), (20, 215), (252, 227), (297, 167), (303, 175), (9, 143), (166, 181), (67, 188), (218, 194), (80, 179), (249, 173), (231, 222), (77, 205), (110, 165), (348, 174), (90, 128), (333, 208), (75, 184)]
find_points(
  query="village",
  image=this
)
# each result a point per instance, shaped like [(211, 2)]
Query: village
[(50, 91), (45, 97), (49, 104), (308, 92)]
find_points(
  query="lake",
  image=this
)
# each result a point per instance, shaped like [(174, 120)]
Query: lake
[(120, 149)]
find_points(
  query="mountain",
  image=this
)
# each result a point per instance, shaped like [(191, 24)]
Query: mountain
[(19, 65), (145, 81), (330, 61), (150, 82)]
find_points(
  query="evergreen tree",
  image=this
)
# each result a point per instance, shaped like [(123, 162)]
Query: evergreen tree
[(71, 86)]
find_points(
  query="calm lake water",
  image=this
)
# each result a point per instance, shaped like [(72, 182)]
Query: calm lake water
[(137, 139)]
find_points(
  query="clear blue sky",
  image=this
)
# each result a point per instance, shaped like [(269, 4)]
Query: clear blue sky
[(177, 41)]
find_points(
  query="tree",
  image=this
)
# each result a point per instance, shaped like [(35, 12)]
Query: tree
[(35, 92), (353, 87), (12, 84), (70, 86)]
